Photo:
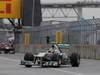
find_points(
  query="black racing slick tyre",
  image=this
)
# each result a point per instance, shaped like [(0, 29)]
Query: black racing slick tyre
[(29, 57), (75, 60), (6, 51)]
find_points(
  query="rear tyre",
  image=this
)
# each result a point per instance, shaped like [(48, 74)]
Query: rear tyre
[(75, 60), (6, 51)]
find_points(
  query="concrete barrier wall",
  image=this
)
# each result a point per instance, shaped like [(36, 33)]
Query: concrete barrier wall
[(86, 51), (30, 48)]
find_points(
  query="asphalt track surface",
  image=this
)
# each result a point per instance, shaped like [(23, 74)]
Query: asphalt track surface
[(9, 65)]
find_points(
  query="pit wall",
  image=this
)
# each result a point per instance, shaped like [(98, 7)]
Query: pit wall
[(85, 51)]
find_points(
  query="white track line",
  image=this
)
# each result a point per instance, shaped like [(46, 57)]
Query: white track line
[(70, 72)]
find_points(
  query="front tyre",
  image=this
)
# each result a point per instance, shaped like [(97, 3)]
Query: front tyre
[(75, 60), (29, 57)]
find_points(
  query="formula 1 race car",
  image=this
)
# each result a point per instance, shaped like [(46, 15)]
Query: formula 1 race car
[(53, 59), (7, 48)]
